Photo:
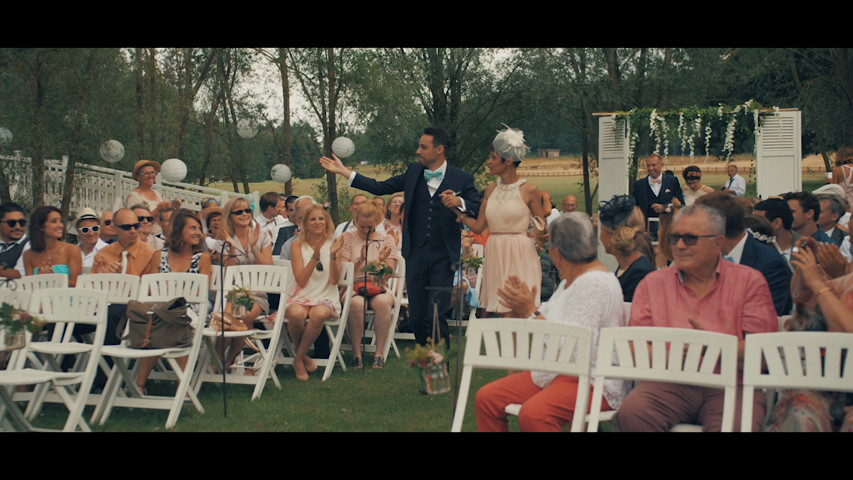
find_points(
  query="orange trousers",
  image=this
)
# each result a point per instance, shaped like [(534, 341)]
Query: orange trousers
[(542, 409)]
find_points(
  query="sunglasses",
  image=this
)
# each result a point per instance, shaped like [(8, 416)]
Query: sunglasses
[(107, 223), (689, 239), (129, 226), (22, 222), (88, 229), (247, 211), (147, 219), (319, 266)]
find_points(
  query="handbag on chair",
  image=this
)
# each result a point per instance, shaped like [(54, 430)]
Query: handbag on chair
[(158, 325)]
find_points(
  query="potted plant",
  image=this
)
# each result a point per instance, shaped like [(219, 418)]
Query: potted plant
[(241, 301), (471, 263), (379, 270), (431, 359), (15, 322)]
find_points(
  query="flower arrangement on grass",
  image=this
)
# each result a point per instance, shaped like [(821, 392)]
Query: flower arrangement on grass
[(423, 356), (471, 263), (15, 320)]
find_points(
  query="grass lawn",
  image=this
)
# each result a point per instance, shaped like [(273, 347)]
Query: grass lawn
[(385, 400)]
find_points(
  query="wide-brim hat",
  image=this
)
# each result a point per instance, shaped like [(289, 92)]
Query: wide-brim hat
[(614, 212), (143, 163), (83, 214)]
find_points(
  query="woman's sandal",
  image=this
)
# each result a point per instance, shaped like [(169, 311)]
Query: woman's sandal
[(356, 363), (378, 363)]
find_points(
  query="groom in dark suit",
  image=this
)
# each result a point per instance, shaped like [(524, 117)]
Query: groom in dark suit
[(653, 193), (431, 235)]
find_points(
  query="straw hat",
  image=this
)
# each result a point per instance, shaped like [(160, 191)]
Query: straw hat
[(143, 163), (83, 214)]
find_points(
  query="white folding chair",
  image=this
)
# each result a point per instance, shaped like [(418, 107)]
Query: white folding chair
[(158, 287), (524, 344), (795, 360), (260, 278), (670, 355), (31, 283), (335, 328), (62, 307), (477, 251), (119, 287)]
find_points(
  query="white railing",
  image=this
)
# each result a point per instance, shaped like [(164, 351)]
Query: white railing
[(101, 188)]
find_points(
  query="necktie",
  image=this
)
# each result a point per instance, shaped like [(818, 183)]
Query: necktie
[(428, 175), (655, 180), (730, 182), (124, 254)]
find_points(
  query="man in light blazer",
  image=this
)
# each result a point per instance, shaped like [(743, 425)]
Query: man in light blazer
[(432, 237)]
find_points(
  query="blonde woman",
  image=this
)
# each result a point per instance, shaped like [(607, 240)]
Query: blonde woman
[(623, 235), (380, 247), (316, 271), (244, 244)]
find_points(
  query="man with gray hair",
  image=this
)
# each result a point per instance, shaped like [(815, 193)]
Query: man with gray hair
[(832, 208), (699, 290)]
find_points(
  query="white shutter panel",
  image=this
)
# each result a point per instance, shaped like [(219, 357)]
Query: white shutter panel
[(779, 158)]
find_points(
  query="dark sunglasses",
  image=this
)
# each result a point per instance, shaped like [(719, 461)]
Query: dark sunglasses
[(147, 219), (22, 222), (247, 211), (689, 239), (319, 266), (87, 229), (107, 223), (129, 226)]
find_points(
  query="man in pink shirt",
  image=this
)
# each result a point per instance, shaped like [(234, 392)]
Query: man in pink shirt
[(702, 291)]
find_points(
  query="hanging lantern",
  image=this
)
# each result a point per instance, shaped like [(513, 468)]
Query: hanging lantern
[(111, 151), (280, 173), (343, 147), (173, 170), (246, 129)]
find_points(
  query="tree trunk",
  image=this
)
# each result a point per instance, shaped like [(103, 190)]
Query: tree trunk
[(286, 126), (331, 180), (813, 113), (37, 159)]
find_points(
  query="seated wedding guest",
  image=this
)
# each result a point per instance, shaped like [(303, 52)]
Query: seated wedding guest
[(828, 306), (740, 247), (702, 291), (145, 172), (290, 225), (760, 229), (13, 238), (393, 224), (49, 252), (164, 221), (87, 227), (108, 232), (778, 213), (212, 221), (269, 219), (588, 296), (245, 244), (805, 209), (316, 270), (832, 208), (146, 231), (183, 253), (380, 248), (623, 235)]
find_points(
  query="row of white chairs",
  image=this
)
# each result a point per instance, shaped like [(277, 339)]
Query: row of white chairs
[(789, 360)]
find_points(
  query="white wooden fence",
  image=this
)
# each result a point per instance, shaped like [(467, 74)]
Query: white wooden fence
[(101, 188)]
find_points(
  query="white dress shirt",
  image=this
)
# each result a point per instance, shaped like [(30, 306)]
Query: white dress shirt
[(738, 184)]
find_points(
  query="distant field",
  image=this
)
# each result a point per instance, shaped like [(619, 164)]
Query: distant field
[(563, 178)]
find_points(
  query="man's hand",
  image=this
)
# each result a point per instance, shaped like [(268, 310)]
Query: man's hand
[(450, 200), (657, 207), (335, 165)]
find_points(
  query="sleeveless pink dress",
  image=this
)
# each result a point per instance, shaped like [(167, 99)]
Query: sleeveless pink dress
[(509, 251)]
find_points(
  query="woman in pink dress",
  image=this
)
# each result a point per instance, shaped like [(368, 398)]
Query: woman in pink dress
[(842, 174), (507, 207), (380, 247)]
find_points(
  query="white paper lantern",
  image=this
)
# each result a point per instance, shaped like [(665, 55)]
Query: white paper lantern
[(5, 136), (111, 151), (343, 147), (246, 129), (173, 170), (280, 173)]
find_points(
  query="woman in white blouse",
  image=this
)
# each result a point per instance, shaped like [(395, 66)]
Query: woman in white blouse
[(588, 296)]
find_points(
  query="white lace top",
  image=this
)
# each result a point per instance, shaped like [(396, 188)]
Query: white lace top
[(594, 300)]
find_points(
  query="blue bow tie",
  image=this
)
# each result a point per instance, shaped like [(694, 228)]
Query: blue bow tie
[(428, 175)]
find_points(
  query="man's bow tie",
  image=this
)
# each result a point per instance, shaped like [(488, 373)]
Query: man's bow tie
[(429, 175)]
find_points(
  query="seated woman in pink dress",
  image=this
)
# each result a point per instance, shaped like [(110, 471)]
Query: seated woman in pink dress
[(316, 270), (382, 248), (588, 296)]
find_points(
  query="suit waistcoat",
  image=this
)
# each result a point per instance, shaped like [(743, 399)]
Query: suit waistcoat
[(424, 220)]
